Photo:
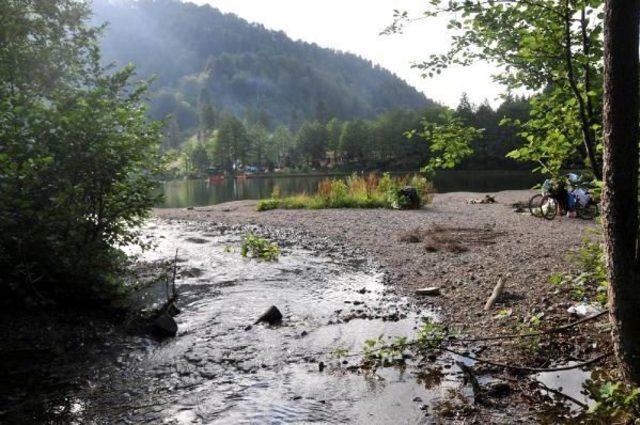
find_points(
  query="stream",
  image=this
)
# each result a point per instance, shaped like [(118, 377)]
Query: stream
[(223, 368)]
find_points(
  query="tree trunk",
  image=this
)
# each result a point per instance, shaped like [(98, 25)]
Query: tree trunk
[(620, 195)]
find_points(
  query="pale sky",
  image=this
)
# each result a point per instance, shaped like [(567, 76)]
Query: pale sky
[(354, 26)]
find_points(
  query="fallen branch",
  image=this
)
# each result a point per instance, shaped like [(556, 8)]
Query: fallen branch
[(561, 394), (499, 337), (175, 271), (527, 368), (532, 334), (497, 291), (478, 395)]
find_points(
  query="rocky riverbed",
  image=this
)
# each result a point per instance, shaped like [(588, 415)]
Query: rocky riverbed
[(463, 248)]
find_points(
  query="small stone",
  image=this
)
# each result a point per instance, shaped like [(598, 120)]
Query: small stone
[(429, 291), (417, 399), (272, 316), (321, 366)]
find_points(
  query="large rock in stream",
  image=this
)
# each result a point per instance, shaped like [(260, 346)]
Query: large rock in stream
[(272, 316), (165, 326)]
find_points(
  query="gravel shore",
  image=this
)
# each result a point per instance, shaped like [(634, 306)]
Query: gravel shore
[(489, 241)]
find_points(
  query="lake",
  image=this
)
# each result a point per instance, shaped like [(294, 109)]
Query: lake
[(196, 193)]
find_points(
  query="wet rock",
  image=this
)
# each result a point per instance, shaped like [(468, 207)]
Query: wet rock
[(321, 366), (191, 272), (498, 389), (172, 310), (272, 316), (303, 334), (164, 326), (196, 240), (429, 291), (411, 199), (417, 399)]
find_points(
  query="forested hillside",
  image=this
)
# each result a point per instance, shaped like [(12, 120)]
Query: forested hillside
[(206, 62)]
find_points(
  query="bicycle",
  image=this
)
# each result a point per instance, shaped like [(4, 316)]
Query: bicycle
[(548, 206)]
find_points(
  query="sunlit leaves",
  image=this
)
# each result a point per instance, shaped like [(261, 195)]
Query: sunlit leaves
[(449, 141)]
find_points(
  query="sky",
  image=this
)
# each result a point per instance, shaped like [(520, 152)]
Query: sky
[(354, 26)]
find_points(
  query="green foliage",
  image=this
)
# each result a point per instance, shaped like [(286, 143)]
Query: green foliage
[(449, 142), (615, 401), (551, 48), (259, 248), (430, 335), (232, 144), (311, 142), (552, 135), (380, 352), (77, 157), (356, 192), (268, 204), (527, 326), (339, 352), (590, 283)]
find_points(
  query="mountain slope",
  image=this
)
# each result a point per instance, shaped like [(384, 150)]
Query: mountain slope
[(202, 56)]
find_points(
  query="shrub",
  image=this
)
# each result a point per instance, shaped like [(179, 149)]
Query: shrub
[(371, 191), (267, 204), (615, 401), (77, 158), (259, 248), (590, 282)]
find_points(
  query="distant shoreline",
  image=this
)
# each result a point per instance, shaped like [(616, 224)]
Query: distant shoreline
[(347, 173)]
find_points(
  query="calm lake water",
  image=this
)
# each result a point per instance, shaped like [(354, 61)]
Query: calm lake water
[(195, 193)]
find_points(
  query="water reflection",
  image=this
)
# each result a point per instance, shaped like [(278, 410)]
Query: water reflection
[(187, 193)]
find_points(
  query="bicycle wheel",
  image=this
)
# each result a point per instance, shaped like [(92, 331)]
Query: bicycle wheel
[(535, 205), (587, 212), (549, 207)]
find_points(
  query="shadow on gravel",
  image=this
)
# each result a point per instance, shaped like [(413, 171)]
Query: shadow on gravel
[(452, 239)]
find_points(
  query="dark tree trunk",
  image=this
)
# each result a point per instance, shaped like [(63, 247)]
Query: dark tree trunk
[(620, 196)]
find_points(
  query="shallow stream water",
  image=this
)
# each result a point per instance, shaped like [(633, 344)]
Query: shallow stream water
[(222, 369), (219, 368)]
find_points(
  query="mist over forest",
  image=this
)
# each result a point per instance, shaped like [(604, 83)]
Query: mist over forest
[(202, 56)]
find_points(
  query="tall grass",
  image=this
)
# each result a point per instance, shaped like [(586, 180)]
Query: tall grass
[(370, 191)]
